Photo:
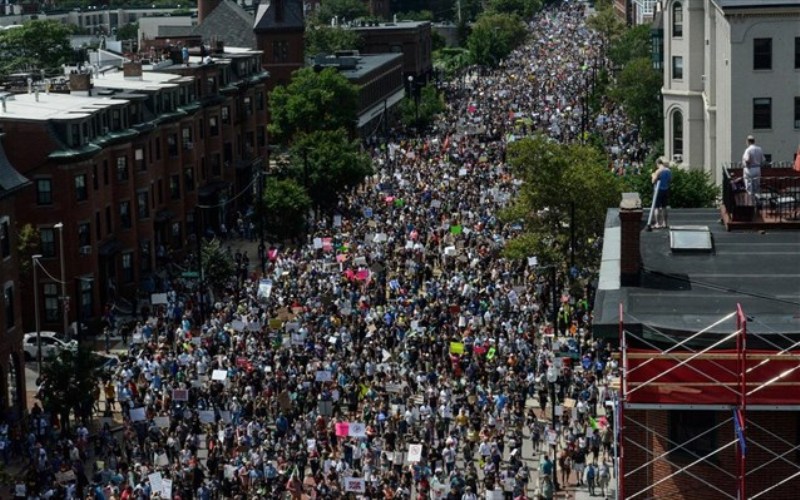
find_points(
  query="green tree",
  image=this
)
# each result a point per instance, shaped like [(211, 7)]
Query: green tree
[(451, 59), (494, 36), (28, 244), (129, 31), (634, 43), (313, 100), (343, 10), (415, 15), (35, 45), (690, 188), (283, 208), (218, 265), (328, 164), (430, 104), (325, 39), (523, 8), (638, 89), (606, 22), (67, 384), (559, 180)]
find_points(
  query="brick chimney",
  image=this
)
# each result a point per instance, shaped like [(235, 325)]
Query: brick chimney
[(205, 8), (80, 82), (630, 219), (132, 70)]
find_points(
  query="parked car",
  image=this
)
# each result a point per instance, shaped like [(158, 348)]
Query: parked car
[(52, 345)]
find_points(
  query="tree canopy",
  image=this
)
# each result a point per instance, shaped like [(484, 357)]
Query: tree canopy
[(494, 36), (633, 43), (129, 31), (325, 39), (67, 383), (328, 163), (638, 89), (312, 101), (283, 208), (343, 10), (606, 22), (430, 104), (524, 8), (39, 44), (218, 265), (557, 180), (690, 188)]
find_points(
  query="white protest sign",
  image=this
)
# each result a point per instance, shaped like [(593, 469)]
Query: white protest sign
[(219, 375), (155, 481), (158, 299), (323, 376), (414, 453), (166, 488), (206, 416), (162, 460), (355, 485), (357, 429), (552, 437), (137, 414), (317, 243), (161, 422)]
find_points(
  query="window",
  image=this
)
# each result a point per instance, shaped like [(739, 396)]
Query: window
[(47, 241), (142, 205), (762, 112), (5, 237), (226, 114), (677, 133), (175, 187), (8, 296), (81, 193), (44, 191), (86, 297), (186, 135), (105, 172), (122, 168), (797, 52), (797, 112), (176, 235), (125, 214), (98, 230), (677, 20), (172, 144), (127, 267), (109, 224), (94, 177), (216, 165), (50, 302), (260, 101), (188, 179), (144, 257), (677, 68), (138, 158), (213, 126), (688, 433), (84, 234), (280, 51), (762, 53)]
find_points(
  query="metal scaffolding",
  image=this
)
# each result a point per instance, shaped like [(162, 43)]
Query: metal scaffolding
[(703, 371)]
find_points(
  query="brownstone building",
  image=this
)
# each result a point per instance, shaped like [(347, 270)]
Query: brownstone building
[(410, 38), (12, 366), (280, 30), (123, 160)]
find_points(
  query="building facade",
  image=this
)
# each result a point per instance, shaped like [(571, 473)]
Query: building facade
[(123, 160), (12, 365), (731, 69), (410, 38)]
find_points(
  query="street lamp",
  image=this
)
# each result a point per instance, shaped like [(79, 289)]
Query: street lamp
[(35, 259), (552, 377), (64, 297), (414, 89)]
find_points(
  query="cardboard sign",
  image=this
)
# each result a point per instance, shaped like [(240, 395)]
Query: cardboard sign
[(414, 453), (357, 429), (161, 422), (158, 299), (65, 477), (355, 485), (155, 481), (219, 375), (166, 488)]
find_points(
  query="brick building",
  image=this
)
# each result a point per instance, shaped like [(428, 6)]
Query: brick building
[(12, 367), (410, 38), (123, 160), (706, 327)]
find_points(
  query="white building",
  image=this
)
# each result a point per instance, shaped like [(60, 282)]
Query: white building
[(731, 68)]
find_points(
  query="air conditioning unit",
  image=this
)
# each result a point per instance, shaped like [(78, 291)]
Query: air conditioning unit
[(85, 250)]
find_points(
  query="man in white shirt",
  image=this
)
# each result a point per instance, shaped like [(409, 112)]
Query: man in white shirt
[(752, 161)]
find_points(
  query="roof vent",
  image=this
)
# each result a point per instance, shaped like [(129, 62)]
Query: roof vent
[(695, 239)]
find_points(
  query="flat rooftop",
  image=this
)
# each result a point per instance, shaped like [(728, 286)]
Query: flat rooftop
[(688, 291), (53, 106), (151, 81), (365, 64), (399, 25)]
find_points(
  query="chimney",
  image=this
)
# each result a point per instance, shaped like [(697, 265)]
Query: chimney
[(80, 83), (205, 8), (132, 70), (630, 219)]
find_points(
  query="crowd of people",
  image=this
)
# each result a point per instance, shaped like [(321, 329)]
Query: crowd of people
[(397, 354)]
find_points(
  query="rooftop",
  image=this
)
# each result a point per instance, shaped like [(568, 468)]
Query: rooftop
[(683, 292), (228, 22), (399, 25), (364, 63), (10, 179), (756, 4), (53, 106)]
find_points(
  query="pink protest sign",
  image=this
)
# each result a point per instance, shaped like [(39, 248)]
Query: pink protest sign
[(342, 429)]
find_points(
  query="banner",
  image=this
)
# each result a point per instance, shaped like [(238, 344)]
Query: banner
[(355, 485)]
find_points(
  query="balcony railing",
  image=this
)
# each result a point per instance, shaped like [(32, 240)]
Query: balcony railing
[(776, 202)]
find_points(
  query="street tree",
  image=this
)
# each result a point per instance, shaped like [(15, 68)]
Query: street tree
[(327, 163), (638, 90), (218, 265), (129, 31), (326, 39), (633, 43), (430, 104), (565, 188), (67, 384), (523, 8), (283, 208), (607, 24), (494, 36), (40, 44), (343, 10), (323, 100)]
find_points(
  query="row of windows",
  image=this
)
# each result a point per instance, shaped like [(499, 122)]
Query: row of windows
[(762, 53), (762, 113)]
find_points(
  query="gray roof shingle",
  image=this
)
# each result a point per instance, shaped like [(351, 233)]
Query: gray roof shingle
[(230, 23)]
